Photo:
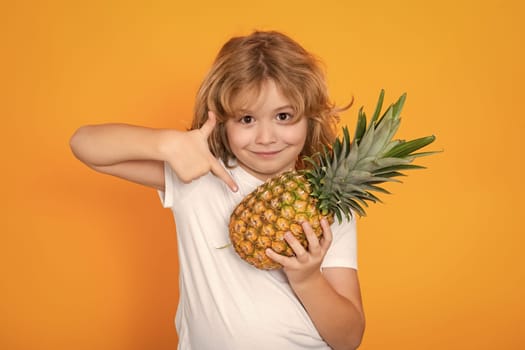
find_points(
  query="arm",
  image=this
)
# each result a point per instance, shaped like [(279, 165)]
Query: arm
[(333, 301), (331, 297), (130, 152), (137, 153)]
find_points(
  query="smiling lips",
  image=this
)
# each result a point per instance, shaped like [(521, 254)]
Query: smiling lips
[(266, 154)]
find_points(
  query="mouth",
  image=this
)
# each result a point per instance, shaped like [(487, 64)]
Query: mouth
[(267, 154)]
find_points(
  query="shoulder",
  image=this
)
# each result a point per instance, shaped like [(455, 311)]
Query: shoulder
[(346, 225)]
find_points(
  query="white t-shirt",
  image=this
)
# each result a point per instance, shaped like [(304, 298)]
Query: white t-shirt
[(225, 303)]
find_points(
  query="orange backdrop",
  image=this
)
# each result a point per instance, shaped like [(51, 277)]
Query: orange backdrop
[(89, 262)]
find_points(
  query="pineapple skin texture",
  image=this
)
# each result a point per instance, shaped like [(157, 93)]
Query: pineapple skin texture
[(261, 219)]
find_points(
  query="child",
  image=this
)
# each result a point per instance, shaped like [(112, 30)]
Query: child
[(261, 108)]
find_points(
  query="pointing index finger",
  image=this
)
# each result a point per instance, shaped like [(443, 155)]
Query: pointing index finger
[(218, 170)]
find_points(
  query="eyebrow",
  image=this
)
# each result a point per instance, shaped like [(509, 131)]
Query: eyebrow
[(285, 107)]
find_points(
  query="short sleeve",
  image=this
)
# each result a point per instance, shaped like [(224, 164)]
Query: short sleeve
[(343, 250), (167, 196)]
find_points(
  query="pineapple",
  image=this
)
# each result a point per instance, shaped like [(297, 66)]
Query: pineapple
[(338, 183)]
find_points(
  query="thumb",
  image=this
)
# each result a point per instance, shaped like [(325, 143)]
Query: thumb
[(209, 125)]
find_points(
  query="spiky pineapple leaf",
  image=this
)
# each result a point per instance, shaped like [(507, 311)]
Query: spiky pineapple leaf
[(398, 106), (423, 154), (398, 167), (357, 208), (360, 127), (379, 106), (405, 148), (371, 197), (346, 142), (344, 176), (392, 174), (370, 187)]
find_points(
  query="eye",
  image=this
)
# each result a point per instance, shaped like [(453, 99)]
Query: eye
[(284, 117), (247, 119)]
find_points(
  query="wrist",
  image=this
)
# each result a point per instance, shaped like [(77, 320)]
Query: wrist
[(166, 144), (312, 282)]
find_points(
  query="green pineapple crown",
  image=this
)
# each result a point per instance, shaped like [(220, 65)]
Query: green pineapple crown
[(344, 177)]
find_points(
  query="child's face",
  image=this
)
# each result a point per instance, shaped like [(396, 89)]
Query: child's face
[(266, 137)]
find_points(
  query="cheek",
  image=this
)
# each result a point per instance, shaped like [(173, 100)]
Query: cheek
[(300, 135), (237, 138), (297, 134)]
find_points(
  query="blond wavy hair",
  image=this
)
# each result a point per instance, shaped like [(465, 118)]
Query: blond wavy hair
[(243, 65)]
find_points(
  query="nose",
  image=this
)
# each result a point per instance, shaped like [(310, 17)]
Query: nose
[(265, 134)]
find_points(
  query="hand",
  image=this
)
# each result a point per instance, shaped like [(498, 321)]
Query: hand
[(306, 264), (192, 157)]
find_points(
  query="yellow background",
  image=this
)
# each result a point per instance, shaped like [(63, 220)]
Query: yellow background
[(89, 262)]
